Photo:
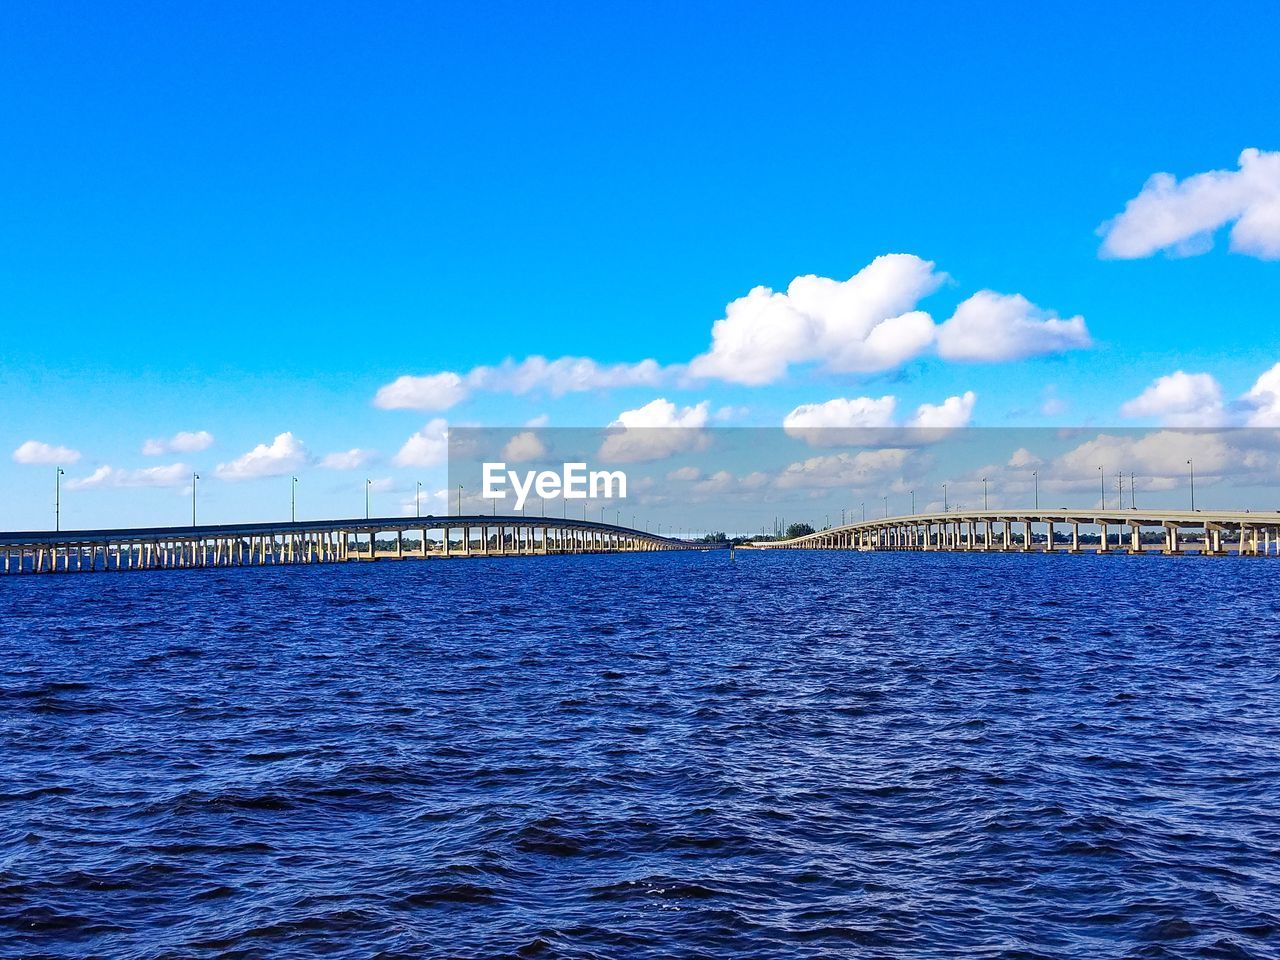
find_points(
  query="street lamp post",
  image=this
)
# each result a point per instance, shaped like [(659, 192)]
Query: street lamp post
[(985, 506), (1035, 476), (913, 503), (459, 499), (944, 498), (417, 500), (195, 477), (293, 500), (1192, 467), (886, 507), (57, 499), (1102, 479), (367, 485), (1133, 492), (864, 511)]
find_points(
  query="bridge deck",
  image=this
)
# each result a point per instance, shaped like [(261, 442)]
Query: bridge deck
[(1220, 532), (320, 541)]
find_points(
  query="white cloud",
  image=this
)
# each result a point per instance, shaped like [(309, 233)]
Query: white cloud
[(992, 326), (352, 459), (35, 452), (864, 324), (856, 420), (1024, 459), (1180, 399), (844, 469), (830, 424), (565, 375), (184, 441), (685, 474), (283, 455), (1183, 216), (428, 447), (1263, 400), (524, 447), (654, 431), (952, 413), (541, 420), (438, 391), (172, 475), (1159, 457)]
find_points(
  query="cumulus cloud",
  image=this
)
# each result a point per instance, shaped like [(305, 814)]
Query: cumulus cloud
[(951, 414), (864, 324), (428, 447), (173, 475), (654, 431), (840, 413), (440, 391), (1182, 216), (868, 323), (352, 459), (845, 469), (1024, 459), (524, 447), (992, 326), (283, 455), (1180, 399), (38, 453), (685, 474), (1160, 458), (184, 441), (437, 391), (1263, 400), (853, 420)]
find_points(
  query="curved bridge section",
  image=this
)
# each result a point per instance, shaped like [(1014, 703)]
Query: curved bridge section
[(322, 541), (1167, 533)]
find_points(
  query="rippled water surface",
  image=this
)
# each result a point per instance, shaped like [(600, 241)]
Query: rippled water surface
[(782, 755)]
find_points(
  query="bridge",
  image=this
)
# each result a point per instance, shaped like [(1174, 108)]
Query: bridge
[(1167, 533), (320, 541)]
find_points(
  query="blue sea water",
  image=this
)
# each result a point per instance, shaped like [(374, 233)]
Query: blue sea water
[(661, 755)]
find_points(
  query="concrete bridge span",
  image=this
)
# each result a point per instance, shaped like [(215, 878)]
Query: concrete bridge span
[(1167, 533), (319, 541)]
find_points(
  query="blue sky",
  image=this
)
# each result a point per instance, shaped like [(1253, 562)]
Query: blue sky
[(247, 221)]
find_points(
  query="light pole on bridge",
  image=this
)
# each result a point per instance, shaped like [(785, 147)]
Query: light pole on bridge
[(1035, 476), (886, 507), (984, 495), (1102, 479), (459, 499), (913, 503), (293, 500), (944, 498), (1133, 492), (417, 499), (195, 477), (367, 485), (57, 499), (1192, 467)]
